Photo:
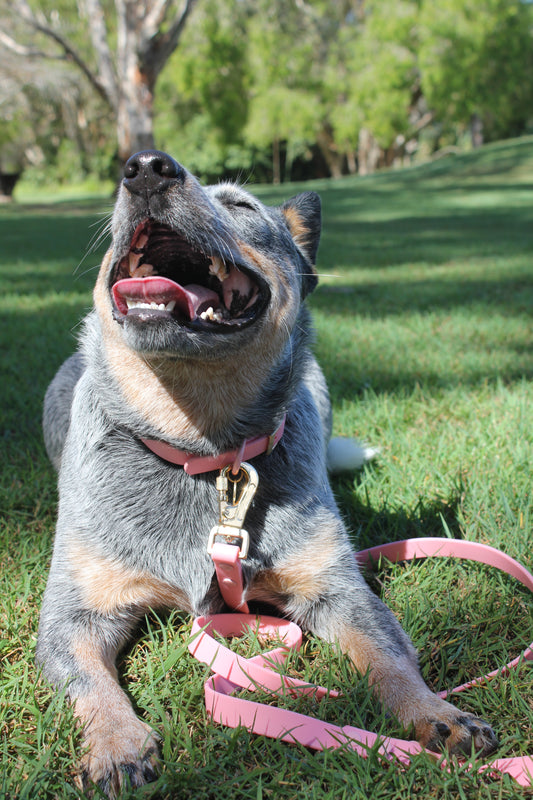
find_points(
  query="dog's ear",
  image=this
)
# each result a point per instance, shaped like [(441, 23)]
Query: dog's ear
[(304, 218)]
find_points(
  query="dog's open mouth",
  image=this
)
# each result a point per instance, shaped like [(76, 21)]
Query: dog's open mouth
[(163, 275)]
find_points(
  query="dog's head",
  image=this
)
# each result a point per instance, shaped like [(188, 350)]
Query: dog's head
[(195, 272)]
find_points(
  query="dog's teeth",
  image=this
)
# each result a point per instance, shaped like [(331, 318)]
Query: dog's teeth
[(218, 268), (142, 271), (212, 315), (153, 305), (133, 261), (253, 298)]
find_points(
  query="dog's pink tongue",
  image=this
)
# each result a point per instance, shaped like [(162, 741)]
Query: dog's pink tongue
[(189, 299)]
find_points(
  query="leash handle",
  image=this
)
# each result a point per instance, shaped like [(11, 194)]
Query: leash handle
[(433, 547), (233, 672)]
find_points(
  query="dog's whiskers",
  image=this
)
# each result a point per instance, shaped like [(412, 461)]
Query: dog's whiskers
[(318, 275), (104, 230)]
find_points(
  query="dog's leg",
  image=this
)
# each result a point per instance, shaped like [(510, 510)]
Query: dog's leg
[(78, 649), (322, 589)]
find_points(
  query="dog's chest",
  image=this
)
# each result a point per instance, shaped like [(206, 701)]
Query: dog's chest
[(154, 520)]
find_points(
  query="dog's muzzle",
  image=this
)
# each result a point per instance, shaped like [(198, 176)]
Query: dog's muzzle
[(182, 276)]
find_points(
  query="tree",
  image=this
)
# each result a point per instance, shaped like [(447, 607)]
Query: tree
[(121, 60), (203, 92), (294, 46), (476, 63), (38, 111)]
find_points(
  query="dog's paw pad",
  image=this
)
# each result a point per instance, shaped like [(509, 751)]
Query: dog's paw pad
[(110, 770), (459, 734), (140, 772)]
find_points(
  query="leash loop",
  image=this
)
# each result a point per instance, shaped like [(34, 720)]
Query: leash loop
[(233, 672)]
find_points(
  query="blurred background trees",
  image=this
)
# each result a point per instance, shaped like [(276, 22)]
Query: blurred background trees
[(258, 89)]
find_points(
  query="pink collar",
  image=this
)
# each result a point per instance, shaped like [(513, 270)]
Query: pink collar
[(194, 465)]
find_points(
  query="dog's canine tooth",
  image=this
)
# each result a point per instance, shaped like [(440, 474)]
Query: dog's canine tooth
[(170, 305), (218, 268), (142, 271), (133, 261)]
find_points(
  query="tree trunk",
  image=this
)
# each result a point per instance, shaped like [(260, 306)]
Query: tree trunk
[(126, 66), (369, 152), (8, 181), (476, 130), (328, 148), (351, 161), (134, 112)]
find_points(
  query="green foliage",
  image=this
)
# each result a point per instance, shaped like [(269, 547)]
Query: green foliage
[(202, 97), (314, 74), (380, 74), (263, 85), (476, 57), (285, 102)]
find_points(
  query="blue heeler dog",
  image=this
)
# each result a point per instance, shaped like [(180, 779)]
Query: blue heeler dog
[(199, 339)]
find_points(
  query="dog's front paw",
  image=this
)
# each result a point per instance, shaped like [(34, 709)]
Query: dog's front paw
[(127, 756), (457, 733)]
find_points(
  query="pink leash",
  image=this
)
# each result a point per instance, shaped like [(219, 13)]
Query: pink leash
[(233, 671)]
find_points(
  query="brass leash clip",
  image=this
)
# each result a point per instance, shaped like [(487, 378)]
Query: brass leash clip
[(235, 494)]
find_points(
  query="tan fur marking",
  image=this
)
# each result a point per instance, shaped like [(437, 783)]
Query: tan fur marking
[(111, 730), (304, 576), (398, 683), (297, 226), (108, 586), (186, 399)]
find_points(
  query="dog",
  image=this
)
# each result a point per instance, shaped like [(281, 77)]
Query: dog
[(199, 340)]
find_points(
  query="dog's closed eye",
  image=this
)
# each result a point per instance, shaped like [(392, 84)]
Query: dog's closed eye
[(240, 204)]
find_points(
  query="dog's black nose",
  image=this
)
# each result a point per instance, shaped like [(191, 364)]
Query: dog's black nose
[(151, 171)]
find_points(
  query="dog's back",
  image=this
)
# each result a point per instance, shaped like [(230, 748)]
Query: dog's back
[(57, 404)]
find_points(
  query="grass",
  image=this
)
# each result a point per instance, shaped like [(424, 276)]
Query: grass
[(423, 320)]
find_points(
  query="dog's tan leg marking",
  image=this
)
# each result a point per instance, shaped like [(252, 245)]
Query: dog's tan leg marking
[(303, 577), (392, 665), (108, 586), (120, 746), (398, 683)]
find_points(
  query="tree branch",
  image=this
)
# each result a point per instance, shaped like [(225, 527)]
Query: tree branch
[(22, 50), (70, 53), (164, 44), (155, 16), (100, 43)]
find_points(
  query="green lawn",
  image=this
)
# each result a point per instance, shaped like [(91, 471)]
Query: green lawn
[(424, 329)]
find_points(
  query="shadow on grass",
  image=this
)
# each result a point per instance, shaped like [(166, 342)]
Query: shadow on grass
[(417, 239), (52, 236), (370, 526), (511, 294), (32, 346)]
